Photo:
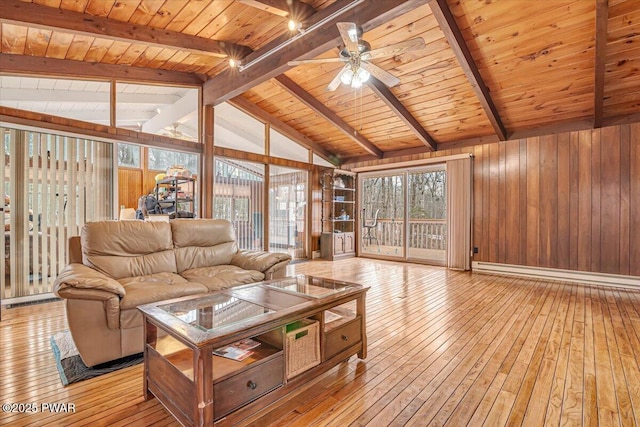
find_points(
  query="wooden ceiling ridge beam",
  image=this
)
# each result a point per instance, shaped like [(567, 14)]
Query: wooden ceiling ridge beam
[(319, 108), (53, 67), (452, 33), (385, 94), (50, 18), (271, 60), (602, 16), (294, 9), (280, 126)]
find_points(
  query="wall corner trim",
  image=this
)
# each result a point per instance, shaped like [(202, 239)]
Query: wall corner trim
[(584, 277)]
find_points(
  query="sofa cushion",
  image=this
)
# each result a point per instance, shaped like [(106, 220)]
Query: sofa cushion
[(222, 276), (203, 243), (152, 288), (128, 248), (156, 287)]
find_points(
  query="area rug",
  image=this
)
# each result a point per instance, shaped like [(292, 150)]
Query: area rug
[(70, 365)]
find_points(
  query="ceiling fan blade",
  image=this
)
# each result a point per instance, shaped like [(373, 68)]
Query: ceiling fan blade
[(316, 61), (394, 49), (387, 78), (336, 80), (349, 33)]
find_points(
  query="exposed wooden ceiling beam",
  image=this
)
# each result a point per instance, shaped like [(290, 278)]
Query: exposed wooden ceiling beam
[(602, 15), (448, 25), (319, 108), (385, 94), (275, 55), (38, 65), (51, 18), (285, 129), (294, 9)]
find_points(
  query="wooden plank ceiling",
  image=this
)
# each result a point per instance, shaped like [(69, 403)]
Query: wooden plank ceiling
[(490, 70)]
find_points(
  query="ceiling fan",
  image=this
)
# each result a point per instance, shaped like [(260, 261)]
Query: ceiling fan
[(356, 55)]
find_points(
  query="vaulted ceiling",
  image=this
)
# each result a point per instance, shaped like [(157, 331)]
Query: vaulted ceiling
[(491, 70)]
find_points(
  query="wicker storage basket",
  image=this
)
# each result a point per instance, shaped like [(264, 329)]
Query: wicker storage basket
[(302, 346)]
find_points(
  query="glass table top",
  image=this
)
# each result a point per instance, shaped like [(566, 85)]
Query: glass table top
[(248, 304), (315, 287), (214, 311)]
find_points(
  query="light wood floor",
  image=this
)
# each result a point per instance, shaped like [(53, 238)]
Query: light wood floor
[(445, 348)]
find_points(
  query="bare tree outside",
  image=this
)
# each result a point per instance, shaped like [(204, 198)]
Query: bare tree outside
[(418, 228), (427, 195), (129, 155)]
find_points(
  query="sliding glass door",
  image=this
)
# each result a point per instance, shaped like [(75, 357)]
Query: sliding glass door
[(52, 186), (238, 195), (427, 215), (404, 214), (383, 215), (288, 211)]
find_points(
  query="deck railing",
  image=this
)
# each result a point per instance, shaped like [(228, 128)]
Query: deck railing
[(423, 234)]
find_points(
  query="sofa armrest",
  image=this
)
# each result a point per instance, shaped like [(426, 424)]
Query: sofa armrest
[(79, 282), (110, 303), (277, 271), (79, 276), (258, 260)]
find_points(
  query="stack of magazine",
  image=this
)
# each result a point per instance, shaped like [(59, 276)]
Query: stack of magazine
[(238, 350)]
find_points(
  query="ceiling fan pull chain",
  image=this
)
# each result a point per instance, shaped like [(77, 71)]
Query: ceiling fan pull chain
[(361, 107)]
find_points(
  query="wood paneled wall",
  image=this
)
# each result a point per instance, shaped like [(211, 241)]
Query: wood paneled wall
[(568, 201), (129, 187), (133, 183)]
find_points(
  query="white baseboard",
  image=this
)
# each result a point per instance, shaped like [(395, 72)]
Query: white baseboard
[(617, 280)]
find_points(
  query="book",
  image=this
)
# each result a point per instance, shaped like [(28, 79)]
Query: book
[(238, 350), (246, 344)]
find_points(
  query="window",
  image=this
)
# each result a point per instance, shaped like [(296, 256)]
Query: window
[(84, 100), (129, 155), (317, 160), (54, 185), (160, 110), (238, 130), (161, 160), (281, 146), (288, 211), (238, 196)]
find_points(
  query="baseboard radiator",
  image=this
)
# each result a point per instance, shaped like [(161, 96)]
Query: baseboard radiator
[(30, 299), (616, 280)]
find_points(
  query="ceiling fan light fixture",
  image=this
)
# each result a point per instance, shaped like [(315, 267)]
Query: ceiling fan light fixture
[(362, 75), (233, 63), (347, 77)]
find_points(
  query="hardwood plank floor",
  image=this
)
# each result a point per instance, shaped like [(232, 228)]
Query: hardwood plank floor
[(445, 348)]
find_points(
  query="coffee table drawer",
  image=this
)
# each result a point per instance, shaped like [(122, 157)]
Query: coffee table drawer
[(241, 389), (343, 337)]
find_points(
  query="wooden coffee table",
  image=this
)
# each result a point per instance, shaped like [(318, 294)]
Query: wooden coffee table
[(304, 326)]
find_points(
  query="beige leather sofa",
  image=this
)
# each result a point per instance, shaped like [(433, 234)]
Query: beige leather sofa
[(114, 266)]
